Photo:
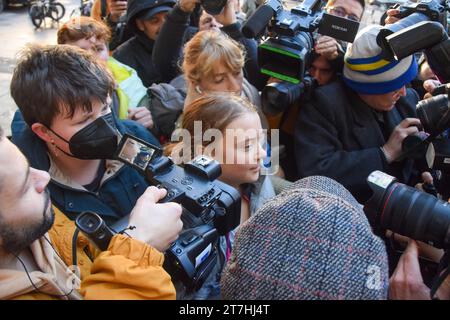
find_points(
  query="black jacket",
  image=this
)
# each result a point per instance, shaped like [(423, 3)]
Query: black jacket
[(176, 32), (137, 53), (337, 135)]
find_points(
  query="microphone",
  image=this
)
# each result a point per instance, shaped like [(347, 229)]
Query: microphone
[(258, 21)]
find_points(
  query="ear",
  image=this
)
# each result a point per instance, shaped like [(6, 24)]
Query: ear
[(140, 24), (42, 132)]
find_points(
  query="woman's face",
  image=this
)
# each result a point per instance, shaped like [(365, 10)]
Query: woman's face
[(222, 79), (242, 152)]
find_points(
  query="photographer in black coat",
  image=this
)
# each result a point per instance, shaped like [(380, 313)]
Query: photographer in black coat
[(145, 18), (356, 125)]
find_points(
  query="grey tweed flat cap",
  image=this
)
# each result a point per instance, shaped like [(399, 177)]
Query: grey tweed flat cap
[(312, 241)]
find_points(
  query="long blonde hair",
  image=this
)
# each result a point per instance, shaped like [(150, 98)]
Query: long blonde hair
[(208, 49)]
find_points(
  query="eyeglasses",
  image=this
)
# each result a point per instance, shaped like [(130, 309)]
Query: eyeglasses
[(341, 12)]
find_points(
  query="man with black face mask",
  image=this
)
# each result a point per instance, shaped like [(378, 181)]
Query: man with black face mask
[(33, 257), (68, 130)]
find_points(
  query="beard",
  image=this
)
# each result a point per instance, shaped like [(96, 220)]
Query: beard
[(17, 238)]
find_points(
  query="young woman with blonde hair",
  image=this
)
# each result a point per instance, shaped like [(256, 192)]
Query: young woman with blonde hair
[(241, 138)]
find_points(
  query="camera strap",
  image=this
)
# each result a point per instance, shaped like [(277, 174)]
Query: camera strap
[(442, 274)]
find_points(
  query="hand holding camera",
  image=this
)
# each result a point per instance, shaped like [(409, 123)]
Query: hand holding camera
[(406, 282), (117, 8), (188, 6), (157, 224), (228, 14), (393, 147), (391, 16), (327, 47)]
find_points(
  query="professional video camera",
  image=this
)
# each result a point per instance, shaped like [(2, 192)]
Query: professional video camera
[(286, 54), (210, 208), (423, 28), (411, 213)]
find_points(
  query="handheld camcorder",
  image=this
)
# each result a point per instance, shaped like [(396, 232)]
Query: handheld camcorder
[(286, 54), (211, 208)]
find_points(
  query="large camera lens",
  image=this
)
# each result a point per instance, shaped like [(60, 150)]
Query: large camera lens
[(278, 97), (434, 114), (408, 211)]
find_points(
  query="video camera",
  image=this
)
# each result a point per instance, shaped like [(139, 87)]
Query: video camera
[(411, 213), (286, 54), (211, 208)]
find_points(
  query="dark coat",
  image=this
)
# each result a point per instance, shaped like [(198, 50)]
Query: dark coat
[(116, 196), (337, 135), (137, 53)]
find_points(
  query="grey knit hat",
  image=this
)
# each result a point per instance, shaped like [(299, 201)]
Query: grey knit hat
[(312, 241)]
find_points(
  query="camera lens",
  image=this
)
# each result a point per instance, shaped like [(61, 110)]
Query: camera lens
[(278, 97), (433, 114), (410, 212)]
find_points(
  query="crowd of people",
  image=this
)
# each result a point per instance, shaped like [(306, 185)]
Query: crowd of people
[(154, 68)]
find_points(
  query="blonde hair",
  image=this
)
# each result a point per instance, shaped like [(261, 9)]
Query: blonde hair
[(215, 111), (206, 49)]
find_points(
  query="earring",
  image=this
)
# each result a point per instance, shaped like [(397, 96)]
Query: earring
[(198, 90), (55, 149)]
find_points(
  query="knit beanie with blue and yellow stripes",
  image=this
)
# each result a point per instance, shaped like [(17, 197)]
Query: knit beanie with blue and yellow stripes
[(366, 72)]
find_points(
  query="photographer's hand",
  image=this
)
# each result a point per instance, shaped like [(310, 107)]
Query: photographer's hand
[(393, 147), (157, 224), (390, 19), (406, 282), (188, 5), (327, 47), (228, 14), (429, 85), (116, 9), (141, 115)]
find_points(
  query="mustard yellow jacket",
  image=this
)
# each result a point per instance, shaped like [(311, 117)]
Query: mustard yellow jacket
[(129, 269)]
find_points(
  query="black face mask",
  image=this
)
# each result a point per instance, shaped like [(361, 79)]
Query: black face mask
[(98, 140)]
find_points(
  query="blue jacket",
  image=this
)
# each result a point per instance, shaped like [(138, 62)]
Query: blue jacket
[(116, 196)]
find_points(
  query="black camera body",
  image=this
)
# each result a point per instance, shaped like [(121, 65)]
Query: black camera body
[(95, 229), (434, 10), (205, 200), (193, 256), (211, 208)]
